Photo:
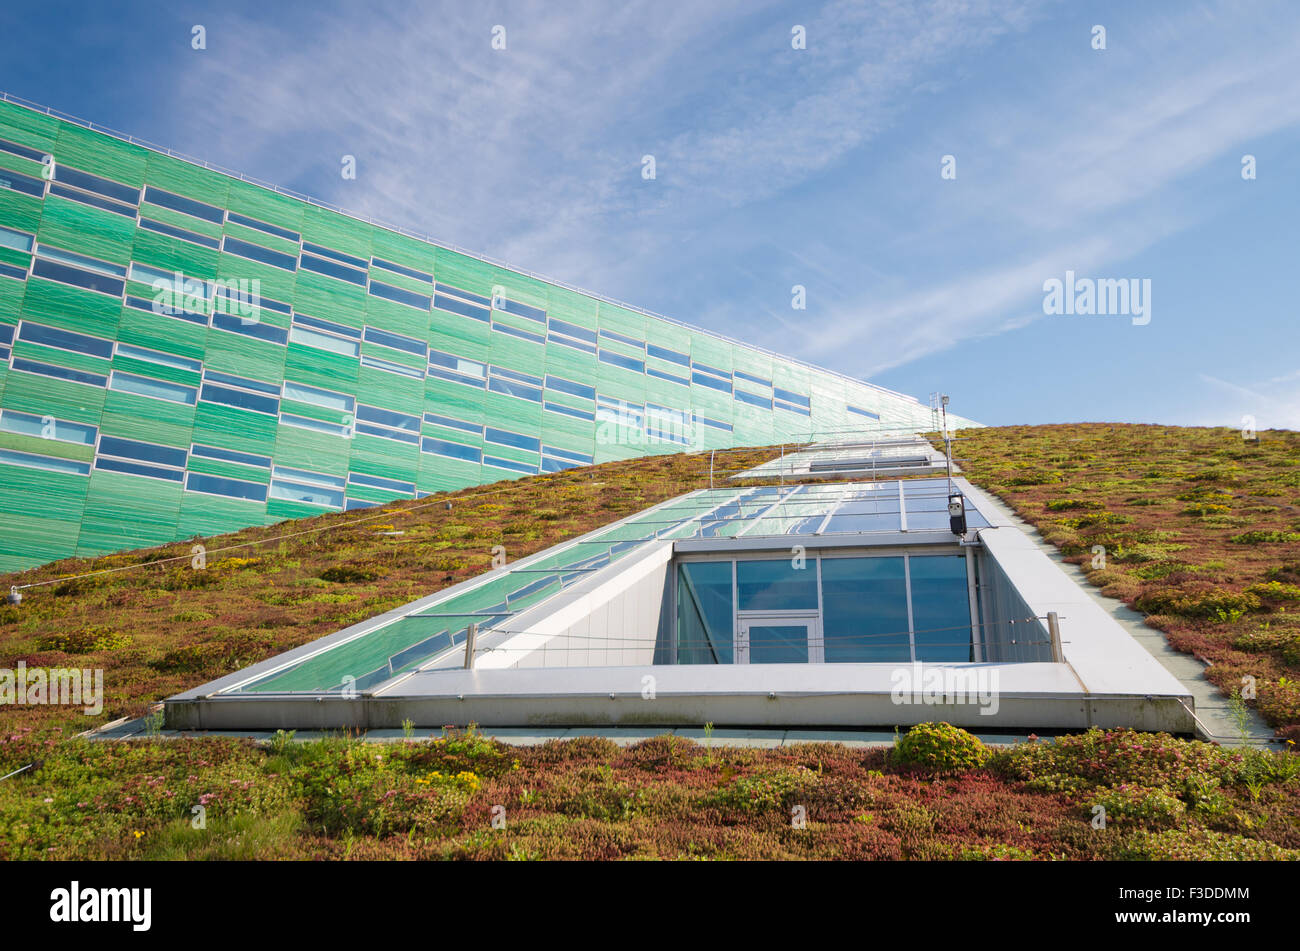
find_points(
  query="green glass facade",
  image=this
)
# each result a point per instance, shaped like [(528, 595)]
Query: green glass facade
[(375, 365)]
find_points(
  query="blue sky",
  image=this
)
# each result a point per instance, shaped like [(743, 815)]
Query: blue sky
[(776, 167)]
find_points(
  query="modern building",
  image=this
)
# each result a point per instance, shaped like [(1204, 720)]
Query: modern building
[(184, 351), (843, 605)]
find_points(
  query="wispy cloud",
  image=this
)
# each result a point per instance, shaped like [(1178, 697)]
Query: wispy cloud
[(1088, 190)]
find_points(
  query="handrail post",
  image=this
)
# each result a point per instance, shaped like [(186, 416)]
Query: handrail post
[(1054, 629), (471, 634)]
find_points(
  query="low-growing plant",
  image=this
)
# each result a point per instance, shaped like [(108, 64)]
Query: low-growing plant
[(940, 747)]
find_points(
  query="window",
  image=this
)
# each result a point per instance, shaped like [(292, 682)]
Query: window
[(517, 390), (940, 607), (741, 374), (672, 356), (323, 398), (318, 425), (388, 424), (671, 378), (452, 423), (617, 411), (244, 301), (157, 356), (250, 328), (231, 488), (789, 397), (623, 338), (255, 252), (457, 369), (140, 458), (375, 482), (452, 450), (400, 295), (335, 255), (91, 279), (566, 455), (59, 373), (504, 437), (81, 261), (22, 151), (791, 408), (571, 330), (705, 612), (165, 309), (510, 465), (65, 340), (465, 295), (564, 341), (6, 338), (93, 183), (186, 206), (330, 268), (155, 389), (775, 585), (17, 273), (561, 409), (837, 609), (389, 367), (324, 335), (313, 488), (516, 332), (30, 460), (171, 231), (668, 425), (396, 341), (863, 412), (230, 455), (618, 360), (464, 308), (864, 610), (570, 387), (521, 310), (240, 393), (263, 226), (172, 283), (22, 183), (753, 400), (713, 423), (94, 201), (401, 269), (47, 427), (521, 385), (710, 381)]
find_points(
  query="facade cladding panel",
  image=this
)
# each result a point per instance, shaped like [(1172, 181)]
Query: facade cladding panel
[(371, 355)]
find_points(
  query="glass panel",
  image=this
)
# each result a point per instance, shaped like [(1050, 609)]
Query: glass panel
[(157, 389), (255, 252), (309, 338), (704, 613), (776, 585), (864, 610), (778, 644), (941, 608)]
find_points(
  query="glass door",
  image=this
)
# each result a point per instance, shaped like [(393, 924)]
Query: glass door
[(778, 639)]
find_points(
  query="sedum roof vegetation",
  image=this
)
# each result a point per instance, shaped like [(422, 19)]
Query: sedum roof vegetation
[(1200, 529)]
